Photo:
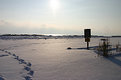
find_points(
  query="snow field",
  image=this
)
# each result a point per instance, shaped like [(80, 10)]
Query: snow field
[(50, 60)]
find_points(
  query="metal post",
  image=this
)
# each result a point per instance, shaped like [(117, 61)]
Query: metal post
[(88, 45)]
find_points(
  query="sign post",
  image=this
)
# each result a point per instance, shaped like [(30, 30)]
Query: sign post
[(87, 35)]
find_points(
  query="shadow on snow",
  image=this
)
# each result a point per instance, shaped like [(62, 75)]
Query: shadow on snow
[(111, 58)]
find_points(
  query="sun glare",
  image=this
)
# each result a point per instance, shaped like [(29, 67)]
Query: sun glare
[(54, 4)]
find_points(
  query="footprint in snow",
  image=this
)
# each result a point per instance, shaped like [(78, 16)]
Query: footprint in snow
[(3, 55), (31, 73), (29, 64), (27, 68), (28, 78), (1, 78)]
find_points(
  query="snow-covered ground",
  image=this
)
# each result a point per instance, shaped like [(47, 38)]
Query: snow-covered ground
[(40, 59)]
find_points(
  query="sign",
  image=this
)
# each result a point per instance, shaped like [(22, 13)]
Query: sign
[(87, 33), (87, 39)]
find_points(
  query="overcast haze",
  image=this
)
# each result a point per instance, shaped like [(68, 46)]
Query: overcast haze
[(60, 16)]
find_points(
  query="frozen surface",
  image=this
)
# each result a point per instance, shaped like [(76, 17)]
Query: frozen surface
[(50, 60), (9, 68)]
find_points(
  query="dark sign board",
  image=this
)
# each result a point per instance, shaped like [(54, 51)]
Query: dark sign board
[(87, 39), (87, 33)]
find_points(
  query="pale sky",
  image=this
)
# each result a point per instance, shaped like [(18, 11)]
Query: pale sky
[(60, 16)]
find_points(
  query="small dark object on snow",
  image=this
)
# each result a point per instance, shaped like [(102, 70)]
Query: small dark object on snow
[(69, 48)]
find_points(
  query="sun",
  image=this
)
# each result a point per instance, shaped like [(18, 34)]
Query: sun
[(54, 4)]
